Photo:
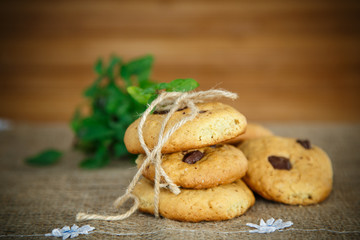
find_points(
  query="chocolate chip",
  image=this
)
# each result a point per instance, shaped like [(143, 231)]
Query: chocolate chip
[(202, 111), (180, 109), (216, 146), (193, 157), (280, 162), (161, 112), (305, 143), (166, 111)]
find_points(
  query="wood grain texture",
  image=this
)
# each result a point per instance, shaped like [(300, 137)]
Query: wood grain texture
[(287, 60)]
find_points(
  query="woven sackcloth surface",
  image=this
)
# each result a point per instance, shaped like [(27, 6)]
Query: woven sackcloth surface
[(37, 200)]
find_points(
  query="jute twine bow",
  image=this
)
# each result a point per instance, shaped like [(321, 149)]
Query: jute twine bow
[(169, 101)]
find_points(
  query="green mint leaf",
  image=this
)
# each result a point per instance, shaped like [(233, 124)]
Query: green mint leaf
[(94, 133), (45, 158), (98, 67), (91, 130), (94, 162), (140, 67), (147, 84), (147, 95), (140, 95), (114, 62), (181, 85), (93, 90), (120, 149), (161, 86), (91, 163), (112, 104), (114, 99), (100, 159), (76, 120)]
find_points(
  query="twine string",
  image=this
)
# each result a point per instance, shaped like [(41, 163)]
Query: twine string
[(170, 101)]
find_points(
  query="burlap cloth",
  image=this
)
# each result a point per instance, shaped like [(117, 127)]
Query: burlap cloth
[(37, 200)]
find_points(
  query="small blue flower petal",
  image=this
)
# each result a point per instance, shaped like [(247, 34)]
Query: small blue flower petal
[(270, 221), (74, 227), (85, 229), (67, 232), (278, 223), (65, 229), (66, 235), (270, 226), (253, 225), (262, 222), (56, 232), (74, 234)]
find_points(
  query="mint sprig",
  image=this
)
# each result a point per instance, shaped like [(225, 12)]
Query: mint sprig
[(119, 94), (100, 134)]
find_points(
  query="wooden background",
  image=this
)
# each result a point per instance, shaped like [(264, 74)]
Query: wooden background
[(287, 60)]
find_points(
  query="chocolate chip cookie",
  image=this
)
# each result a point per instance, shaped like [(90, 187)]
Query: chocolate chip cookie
[(291, 171), (215, 122), (202, 168), (213, 204)]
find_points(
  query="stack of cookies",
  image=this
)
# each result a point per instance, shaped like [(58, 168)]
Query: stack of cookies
[(196, 158), (209, 157)]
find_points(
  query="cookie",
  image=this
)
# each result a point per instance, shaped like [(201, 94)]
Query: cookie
[(252, 131), (202, 168), (215, 122), (287, 170), (212, 204)]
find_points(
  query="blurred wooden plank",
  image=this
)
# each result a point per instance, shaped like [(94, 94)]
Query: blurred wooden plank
[(270, 105), (288, 60), (287, 50)]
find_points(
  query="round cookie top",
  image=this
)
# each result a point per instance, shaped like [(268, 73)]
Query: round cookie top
[(202, 168), (214, 123), (214, 204), (287, 170), (253, 130)]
